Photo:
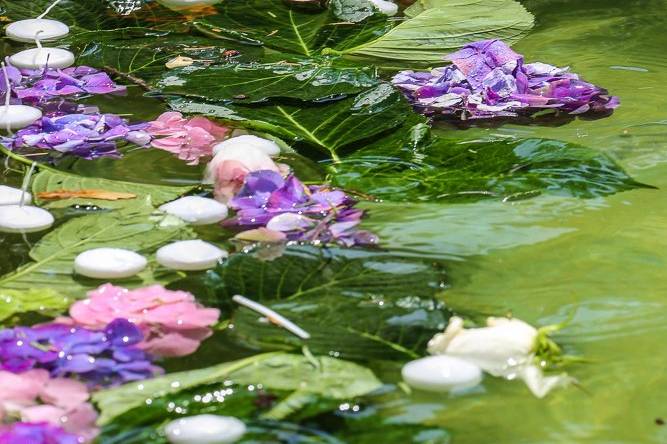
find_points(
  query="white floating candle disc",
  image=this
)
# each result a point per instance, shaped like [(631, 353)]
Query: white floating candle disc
[(37, 58), (18, 116), (205, 429), (385, 7), (267, 146), (24, 219), (109, 263), (187, 4), (190, 255), (441, 374), (32, 29), (196, 210), (12, 196)]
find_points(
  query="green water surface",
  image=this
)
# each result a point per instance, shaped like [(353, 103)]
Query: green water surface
[(602, 262)]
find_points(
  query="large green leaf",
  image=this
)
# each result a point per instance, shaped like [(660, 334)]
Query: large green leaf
[(132, 228), (396, 169), (359, 306), (324, 126), (320, 376), (443, 26), (273, 24), (43, 301), (142, 52), (49, 180), (247, 83)]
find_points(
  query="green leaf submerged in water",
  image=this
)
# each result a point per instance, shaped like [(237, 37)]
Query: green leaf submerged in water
[(327, 127), (319, 376), (438, 27), (397, 169), (361, 306), (44, 301), (135, 228), (48, 181)]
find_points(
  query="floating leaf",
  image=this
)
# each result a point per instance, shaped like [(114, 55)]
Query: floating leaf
[(325, 126), (41, 300), (321, 376), (247, 83), (83, 191), (53, 256), (438, 27), (273, 24), (444, 169), (362, 306)]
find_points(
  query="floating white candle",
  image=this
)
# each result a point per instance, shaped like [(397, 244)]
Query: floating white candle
[(196, 210), (109, 263), (441, 374), (30, 29), (14, 196), (18, 116), (190, 255), (37, 58), (186, 4), (385, 7), (273, 316), (24, 219), (205, 429), (267, 146)]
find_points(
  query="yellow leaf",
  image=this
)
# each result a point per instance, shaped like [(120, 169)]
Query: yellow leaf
[(85, 194)]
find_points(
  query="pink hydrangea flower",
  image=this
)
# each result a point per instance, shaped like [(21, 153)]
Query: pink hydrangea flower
[(33, 396), (173, 323), (189, 139)]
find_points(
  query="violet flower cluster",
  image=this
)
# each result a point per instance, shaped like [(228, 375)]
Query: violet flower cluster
[(32, 86), (85, 135), (487, 79), (35, 433), (298, 212), (66, 127), (100, 358)]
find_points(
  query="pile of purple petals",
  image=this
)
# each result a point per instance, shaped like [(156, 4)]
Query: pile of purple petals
[(99, 358), (34, 86), (302, 213), (85, 135), (35, 433), (487, 79)]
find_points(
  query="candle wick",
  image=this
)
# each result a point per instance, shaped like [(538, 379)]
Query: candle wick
[(51, 6), (26, 182), (8, 94), (38, 42)]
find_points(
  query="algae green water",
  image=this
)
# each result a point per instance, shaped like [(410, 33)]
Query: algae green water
[(602, 262), (598, 264)]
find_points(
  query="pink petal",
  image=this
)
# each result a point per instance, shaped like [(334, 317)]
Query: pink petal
[(65, 393), (22, 388), (43, 413), (171, 345)]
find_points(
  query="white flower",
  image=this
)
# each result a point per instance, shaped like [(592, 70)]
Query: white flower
[(504, 348)]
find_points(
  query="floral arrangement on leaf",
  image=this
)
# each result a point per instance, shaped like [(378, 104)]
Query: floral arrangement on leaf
[(273, 205), (487, 79), (111, 338)]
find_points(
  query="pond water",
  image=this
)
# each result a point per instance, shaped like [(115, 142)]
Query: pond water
[(599, 263)]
